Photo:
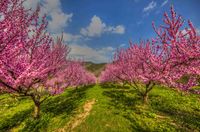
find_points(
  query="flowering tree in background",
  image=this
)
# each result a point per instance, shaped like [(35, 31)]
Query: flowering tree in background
[(73, 75), (29, 57), (81, 76), (164, 60), (110, 74)]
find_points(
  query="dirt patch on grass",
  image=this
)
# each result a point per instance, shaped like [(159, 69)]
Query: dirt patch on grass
[(78, 119)]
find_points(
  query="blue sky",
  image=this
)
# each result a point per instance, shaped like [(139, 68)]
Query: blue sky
[(94, 29)]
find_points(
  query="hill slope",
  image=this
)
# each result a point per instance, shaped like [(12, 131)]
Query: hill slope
[(94, 68)]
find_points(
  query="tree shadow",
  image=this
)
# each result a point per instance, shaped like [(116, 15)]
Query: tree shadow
[(15, 120), (120, 100), (107, 85), (135, 125), (112, 85), (128, 103), (190, 119), (125, 105), (63, 104)]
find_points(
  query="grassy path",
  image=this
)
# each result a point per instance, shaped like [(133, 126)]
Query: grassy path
[(79, 118), (102, 118), (104, 109)]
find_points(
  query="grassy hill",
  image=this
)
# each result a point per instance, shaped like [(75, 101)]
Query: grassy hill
[(104, 108), (94, 68)]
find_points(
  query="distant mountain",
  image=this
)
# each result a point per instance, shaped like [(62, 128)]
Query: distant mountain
[(94, 68)]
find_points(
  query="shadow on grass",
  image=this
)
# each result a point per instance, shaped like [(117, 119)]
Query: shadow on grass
[(189, 118), (15, 120), (129, 104), (120, 100), (64, 105), (112, 85), (125, 105)]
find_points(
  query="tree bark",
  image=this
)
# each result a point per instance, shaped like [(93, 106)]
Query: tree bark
[(145, 98), (36, 100), (36, 114), (149, 87)]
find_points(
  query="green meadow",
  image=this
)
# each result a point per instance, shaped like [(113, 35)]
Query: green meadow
[(113, 109)]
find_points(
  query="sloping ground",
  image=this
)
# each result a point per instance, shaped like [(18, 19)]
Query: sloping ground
[(94, 68), (114, 109)]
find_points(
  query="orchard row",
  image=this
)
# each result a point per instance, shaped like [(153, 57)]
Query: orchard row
[(171, 59)]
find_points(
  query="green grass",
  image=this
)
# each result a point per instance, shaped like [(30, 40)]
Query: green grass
[(116, 109)]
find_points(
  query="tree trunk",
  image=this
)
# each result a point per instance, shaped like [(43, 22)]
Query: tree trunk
[(149, 87), (37, 111), (145, 98), (36, 100)]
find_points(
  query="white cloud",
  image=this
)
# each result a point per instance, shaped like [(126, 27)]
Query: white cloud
[(105, 50), (97, 28), (31, 4), (122, 45), (150, 6), (89, 54), (120, 29), (52, 8), (198, 31), (184, 31), (68, 37), (58, 19), (164, 3), (2, 17)]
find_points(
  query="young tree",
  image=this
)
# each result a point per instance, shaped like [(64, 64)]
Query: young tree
[(142, 67)]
